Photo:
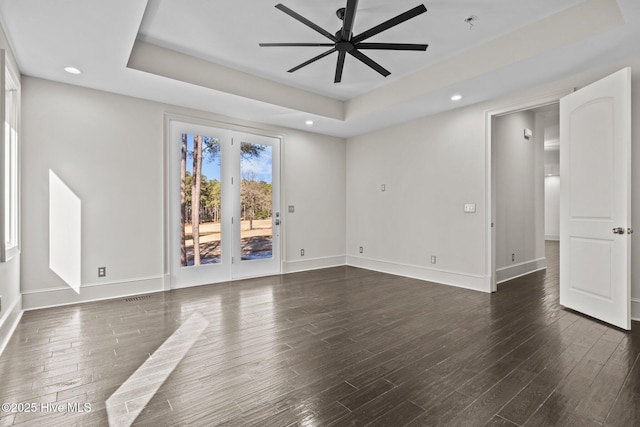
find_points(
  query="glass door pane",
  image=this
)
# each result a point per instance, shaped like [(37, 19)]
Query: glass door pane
[(200, 200), (199, 218), (257, 232), (256, 201)]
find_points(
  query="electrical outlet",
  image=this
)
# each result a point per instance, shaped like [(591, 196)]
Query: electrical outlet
[(292, 209), (513, 257), (433, 259), (102, 271), (301, 252), (361, 250), (383, 188)]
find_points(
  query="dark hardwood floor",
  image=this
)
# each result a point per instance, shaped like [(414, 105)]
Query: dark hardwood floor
[(341, 346)]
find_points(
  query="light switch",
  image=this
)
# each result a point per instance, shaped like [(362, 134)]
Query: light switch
[(470, 208)]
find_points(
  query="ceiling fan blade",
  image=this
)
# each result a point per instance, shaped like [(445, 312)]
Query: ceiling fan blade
[(349, 17), (412, 13), (296, 44), (314, 59), (370, 62), (392, 46), (305, 21), (339, 67)]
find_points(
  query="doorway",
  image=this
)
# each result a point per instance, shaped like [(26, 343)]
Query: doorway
[(517, 229), (595, 133), (551, 122), (224, 204)]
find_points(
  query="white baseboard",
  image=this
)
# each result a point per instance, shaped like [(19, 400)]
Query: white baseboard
[(32, 300), (314, 263), (9, 321), (521, 269), (554, 237), (635, 309), (451, 278)]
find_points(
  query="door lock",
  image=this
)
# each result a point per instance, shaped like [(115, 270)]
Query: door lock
[(629, 230), (618, 230)]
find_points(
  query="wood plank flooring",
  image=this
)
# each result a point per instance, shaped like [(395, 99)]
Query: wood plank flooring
[(334, 347)]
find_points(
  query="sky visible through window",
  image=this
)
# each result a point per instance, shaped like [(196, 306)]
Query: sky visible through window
[(260, 166)]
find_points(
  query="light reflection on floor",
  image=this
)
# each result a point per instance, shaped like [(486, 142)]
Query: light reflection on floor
[(124, 406)]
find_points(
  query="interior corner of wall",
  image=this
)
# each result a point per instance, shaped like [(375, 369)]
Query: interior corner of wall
[(635, 309)]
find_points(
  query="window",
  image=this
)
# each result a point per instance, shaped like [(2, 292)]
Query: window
[(9, 152)]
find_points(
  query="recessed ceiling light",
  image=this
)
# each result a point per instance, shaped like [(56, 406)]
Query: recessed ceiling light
[(456, 97), (72, 70), (309, 123)]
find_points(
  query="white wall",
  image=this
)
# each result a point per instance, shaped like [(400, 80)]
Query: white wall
[(552, 161), (552, 194), (109, 150), (11, 299), (518, 174), (552, 207), (9, 271), (431, 167), (315, 184)]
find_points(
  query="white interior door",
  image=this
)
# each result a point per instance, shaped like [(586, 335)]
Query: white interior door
[(595, 165), (232, 229)]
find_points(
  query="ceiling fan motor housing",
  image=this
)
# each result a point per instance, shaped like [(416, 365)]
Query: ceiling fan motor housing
[(344, 46)]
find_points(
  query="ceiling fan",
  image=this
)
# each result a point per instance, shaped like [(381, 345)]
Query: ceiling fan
[(345, 42)]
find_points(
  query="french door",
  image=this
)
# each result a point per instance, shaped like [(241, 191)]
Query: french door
[(224, 189)]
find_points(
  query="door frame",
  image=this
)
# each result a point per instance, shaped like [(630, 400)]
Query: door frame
[(490, 184), (168, 117)]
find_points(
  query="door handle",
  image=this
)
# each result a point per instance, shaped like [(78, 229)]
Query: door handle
[(618, 230)]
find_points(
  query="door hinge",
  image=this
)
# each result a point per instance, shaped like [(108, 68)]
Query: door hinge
[(231, 220), (232, 260)]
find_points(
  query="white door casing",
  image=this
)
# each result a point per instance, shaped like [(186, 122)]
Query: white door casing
[(595, 166)]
